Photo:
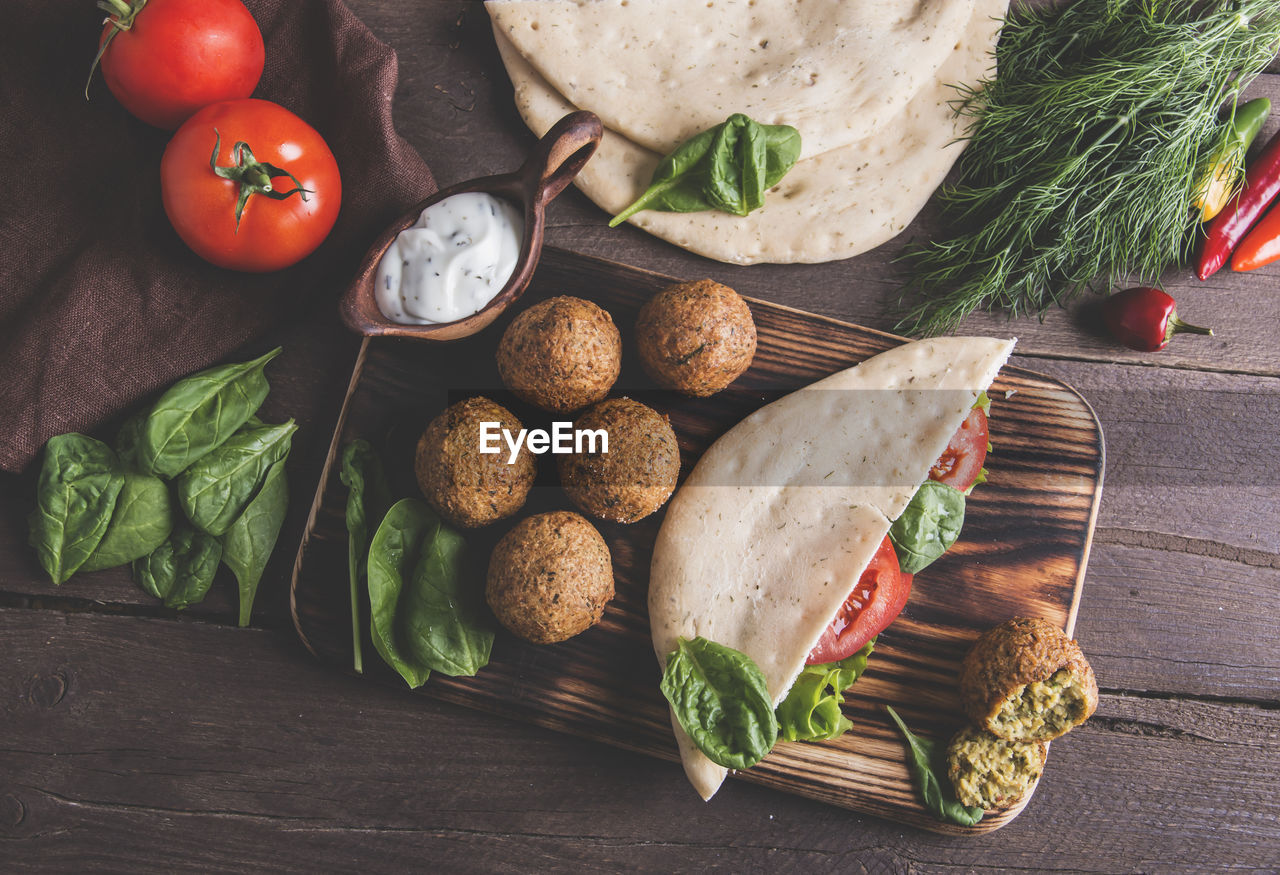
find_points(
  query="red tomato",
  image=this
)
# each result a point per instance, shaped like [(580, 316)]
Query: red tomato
[(278, 227), (180, 55), (876, 601), (962, 460)]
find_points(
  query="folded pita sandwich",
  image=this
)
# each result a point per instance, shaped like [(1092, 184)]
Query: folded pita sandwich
[(764, 542)]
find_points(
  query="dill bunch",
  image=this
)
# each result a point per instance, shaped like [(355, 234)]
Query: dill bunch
[(1084, 152)]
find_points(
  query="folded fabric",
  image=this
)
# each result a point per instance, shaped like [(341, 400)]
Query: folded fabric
[(100, 302)]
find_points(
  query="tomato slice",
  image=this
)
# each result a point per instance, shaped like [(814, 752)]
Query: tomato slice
[(876, 601), (962, 460)]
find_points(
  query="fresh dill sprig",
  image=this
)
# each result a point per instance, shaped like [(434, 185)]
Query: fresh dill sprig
[(1084, 152)]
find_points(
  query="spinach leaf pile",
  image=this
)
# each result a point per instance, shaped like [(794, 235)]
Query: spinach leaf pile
[(99, 507)]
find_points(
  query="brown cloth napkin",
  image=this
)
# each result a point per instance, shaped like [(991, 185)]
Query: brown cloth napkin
[(100, 302)]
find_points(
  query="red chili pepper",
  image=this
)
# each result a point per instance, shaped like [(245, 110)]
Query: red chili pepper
[(1261, 185), (1145, 319), (1262, 246)]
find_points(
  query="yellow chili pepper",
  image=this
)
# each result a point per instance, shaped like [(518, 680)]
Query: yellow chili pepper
[(1221, 177)]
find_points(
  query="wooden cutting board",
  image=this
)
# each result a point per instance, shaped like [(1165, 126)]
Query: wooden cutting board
[(1022, 552)]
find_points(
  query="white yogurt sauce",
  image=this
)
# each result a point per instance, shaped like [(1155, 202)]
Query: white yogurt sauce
[(452, 261)]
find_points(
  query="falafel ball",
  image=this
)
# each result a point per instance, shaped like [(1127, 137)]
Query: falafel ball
[(1025, 680), (696, 337), (465, 486), (550, 577), (638, 473), (561, 354), (988, 772)]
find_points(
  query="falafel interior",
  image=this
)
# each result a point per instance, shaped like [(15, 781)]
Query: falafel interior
[(1043, 709), (988, 772)]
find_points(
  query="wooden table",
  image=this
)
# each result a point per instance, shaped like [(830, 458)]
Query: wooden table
[(133, 737)]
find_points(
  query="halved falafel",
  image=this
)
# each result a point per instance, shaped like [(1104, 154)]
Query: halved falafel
[(988, 772), (1025, 680), (696, 337), (550, 577), (638, 473), (465, 486), (561, 354)]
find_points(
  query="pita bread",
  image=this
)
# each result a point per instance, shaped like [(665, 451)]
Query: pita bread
[(835, 205), (698, 63), (758, 550)]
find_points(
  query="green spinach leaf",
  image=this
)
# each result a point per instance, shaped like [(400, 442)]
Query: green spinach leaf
[(445, 624), (928, 766), (181, 570), (929, 526), (215, 491), (720, 698), (728, 167), (811, 710), (424, 617), (368, 498), (127, 440), (197, 414), (735, 181), (393, 555), (142, 519), (248, 543), (79, 483)]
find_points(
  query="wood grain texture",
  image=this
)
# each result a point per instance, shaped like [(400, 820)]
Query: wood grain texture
[(1189, 460), (1023, 550), (180, 744), (109, 762)]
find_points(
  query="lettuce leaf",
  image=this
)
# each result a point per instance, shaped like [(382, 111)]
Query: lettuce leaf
[(811, 710)]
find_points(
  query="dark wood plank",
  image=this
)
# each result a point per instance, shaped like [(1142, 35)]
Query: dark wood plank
[(1026, 538), (1164, 623), (1190, 457), (110, 761)]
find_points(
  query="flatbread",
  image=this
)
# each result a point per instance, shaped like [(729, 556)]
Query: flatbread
[(778, 520), (838, 72), (835, 205)]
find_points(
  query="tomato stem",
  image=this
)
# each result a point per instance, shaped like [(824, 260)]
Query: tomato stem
[(120, 15), (121, 10), (253, 176)]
